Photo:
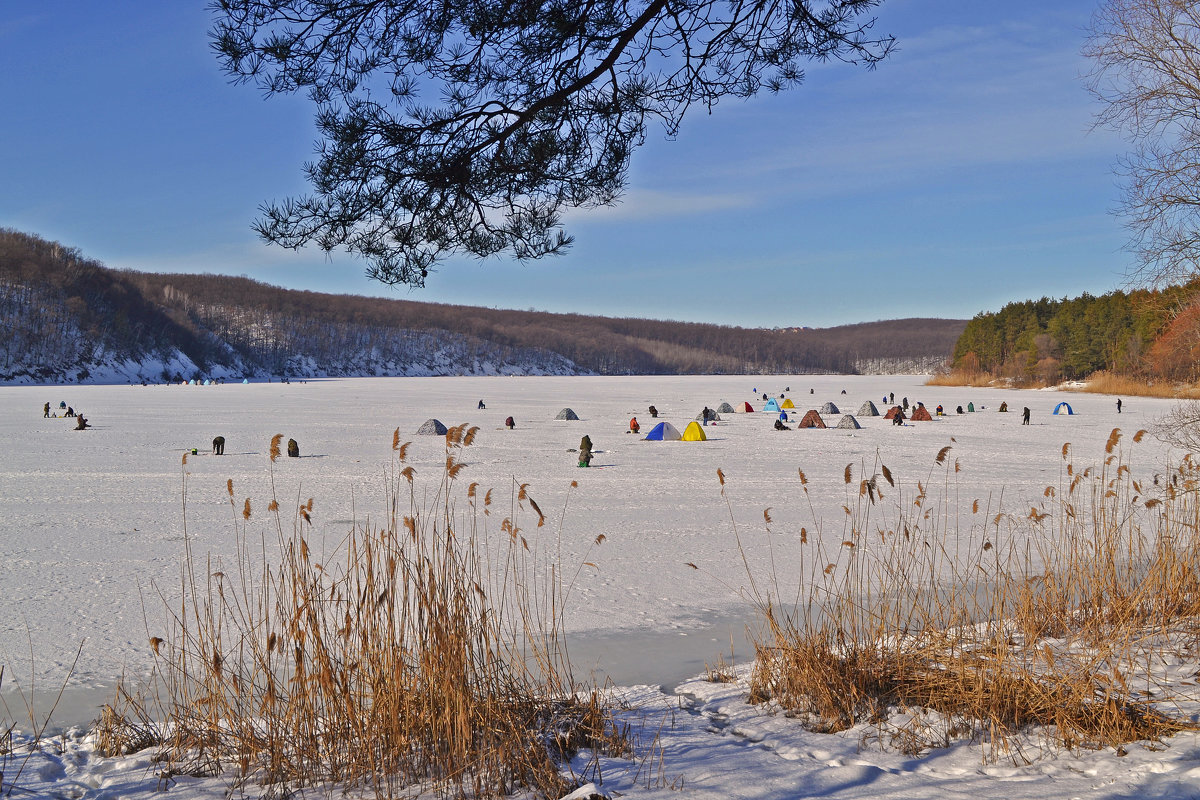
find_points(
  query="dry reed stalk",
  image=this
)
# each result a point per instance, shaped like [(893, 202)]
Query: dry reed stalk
[(914, 611), (958, 377), (430, 656), (1105, 382)]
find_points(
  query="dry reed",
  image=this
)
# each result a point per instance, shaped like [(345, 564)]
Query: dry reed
[(428, 655), (1116, 384), (960, 377), (1003, 624)]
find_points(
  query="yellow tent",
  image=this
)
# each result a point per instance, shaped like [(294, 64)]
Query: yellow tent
[(694, 433), (788, 404)]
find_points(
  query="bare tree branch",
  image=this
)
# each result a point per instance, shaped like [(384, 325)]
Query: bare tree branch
[(466, 126)]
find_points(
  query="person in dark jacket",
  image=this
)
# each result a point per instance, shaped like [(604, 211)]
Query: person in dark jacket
[(481, 405), (46, 410), (509, 423), (1025, 416), (653, 412), (585, 451), (1118, 405)]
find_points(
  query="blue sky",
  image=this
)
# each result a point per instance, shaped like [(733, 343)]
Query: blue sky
[(961, 174)]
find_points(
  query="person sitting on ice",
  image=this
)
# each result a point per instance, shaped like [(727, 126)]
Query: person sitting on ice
[(585, 451), (633, 425), (481, 405), (508, 423)]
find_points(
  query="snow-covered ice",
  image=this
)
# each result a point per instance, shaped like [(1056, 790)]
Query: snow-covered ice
[(92, 527)]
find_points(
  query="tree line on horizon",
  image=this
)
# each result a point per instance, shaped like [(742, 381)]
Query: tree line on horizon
[(1144, 333), (64, 307)]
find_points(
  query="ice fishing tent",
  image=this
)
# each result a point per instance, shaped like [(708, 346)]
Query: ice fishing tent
[(663, 432), (970, 408), (868, 409), (921, 414), (693, 432), (829, 408), (245, 380), (432, 428), (811, 420), (787, 404), (771, 405), (567, 413), (1063, 408), (850, 422), (893, 412), (749, 409), (724, 408)]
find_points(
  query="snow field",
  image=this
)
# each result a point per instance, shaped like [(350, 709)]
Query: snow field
[(92, 529)]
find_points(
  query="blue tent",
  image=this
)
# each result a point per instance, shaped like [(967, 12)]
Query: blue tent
[(771, 405), (1063, 408), (245, 380), (664, 432)]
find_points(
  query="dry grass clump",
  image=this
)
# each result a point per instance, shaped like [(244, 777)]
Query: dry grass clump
[(963, 377), (1112, 383), (1002, 623), (424, 653)]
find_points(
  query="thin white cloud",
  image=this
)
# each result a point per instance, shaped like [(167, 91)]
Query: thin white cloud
[(643, 204)]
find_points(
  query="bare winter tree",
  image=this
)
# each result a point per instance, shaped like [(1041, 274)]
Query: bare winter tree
[(1180, 427), (466, 126), (1146, 71)]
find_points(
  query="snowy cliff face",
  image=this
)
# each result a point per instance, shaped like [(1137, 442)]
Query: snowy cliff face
[(912, 365), (417, 354)]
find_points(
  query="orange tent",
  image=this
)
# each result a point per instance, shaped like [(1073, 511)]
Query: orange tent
[(893, 411), (920, 414), (811, 420)]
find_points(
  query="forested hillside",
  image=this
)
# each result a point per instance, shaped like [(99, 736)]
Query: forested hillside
[(68, 314), (1147, 333)]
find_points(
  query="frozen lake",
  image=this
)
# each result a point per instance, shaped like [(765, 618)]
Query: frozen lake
[(92, 523)]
